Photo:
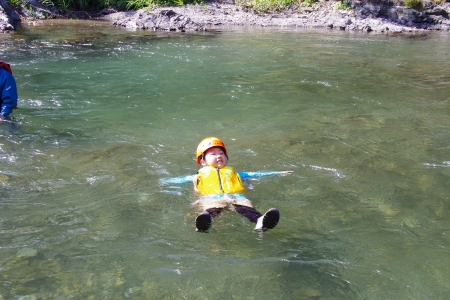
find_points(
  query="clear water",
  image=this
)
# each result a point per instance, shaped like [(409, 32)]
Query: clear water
[(362, 120)]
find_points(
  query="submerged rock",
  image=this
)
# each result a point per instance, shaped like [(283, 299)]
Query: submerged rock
[(4, 178), (27, 252)]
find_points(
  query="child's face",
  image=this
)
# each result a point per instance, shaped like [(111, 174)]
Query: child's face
[(215, 157)]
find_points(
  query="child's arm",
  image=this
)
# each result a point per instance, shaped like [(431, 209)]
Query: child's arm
[(243, 175), (179, 179), (250, 175)]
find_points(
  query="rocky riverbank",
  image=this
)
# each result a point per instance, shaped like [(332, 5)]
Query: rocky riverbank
[(363, 16), (379, 16)]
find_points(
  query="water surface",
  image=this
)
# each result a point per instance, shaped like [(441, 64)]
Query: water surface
[(105, 113)]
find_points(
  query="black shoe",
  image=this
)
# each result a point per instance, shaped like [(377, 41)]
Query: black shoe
[(268, 221), (203, 221)]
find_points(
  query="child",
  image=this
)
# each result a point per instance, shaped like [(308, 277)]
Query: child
[(220, 187)]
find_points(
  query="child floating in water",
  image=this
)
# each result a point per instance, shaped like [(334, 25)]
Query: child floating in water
[(220, 187)]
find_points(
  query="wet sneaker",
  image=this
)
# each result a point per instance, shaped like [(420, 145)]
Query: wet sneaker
[(203, 221), (268, 221)]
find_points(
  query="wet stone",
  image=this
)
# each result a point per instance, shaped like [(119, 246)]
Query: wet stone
[(27, 252)]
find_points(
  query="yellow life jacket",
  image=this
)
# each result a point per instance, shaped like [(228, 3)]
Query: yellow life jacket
[(211, 181)]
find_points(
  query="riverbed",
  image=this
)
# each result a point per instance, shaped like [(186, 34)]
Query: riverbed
[(106, 113)]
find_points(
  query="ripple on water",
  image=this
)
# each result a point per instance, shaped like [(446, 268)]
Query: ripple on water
[(105, 114)]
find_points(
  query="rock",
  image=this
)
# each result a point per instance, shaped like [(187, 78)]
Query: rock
[(365, 16), (5, 19), (366, 28), (4, 178), (27, 252), (30, 9), (164, 20), (8, 26), (385, 14)]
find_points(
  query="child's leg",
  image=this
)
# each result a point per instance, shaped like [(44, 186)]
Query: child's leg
[(263, 222), (203, 221), (248, 212), (214, 211), (268, 221)]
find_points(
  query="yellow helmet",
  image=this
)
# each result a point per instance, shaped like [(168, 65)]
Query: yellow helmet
[(209, 143)]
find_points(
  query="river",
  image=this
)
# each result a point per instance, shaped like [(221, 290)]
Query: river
[(106, 113)]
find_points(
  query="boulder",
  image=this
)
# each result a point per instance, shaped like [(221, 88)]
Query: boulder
[(164, 20), (7, 16)]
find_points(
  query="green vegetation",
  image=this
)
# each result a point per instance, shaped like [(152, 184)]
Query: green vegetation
[(90, 5), (309, 2), (415, 4), (256, 5), (14, 3), (136, 4), (265, 5), (342, 5)]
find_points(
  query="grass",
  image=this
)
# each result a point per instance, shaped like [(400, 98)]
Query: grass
[(14, 3), (341, 5), (414, 4), (265, 5), (88, 5), (256, 5)]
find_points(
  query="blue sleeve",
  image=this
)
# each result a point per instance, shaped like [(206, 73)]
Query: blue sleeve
[(8, 93), (190, 178), (180, 179), (250, 175)]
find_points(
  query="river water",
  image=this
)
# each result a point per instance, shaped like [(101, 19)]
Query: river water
[(105, 114)]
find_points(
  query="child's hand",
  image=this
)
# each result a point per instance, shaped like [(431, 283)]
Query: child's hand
[(284, 173), (249, 183)]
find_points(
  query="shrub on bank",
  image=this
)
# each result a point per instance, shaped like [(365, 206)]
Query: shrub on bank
[(266, 5), (415, 4), (256, 5), (89, 5)]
